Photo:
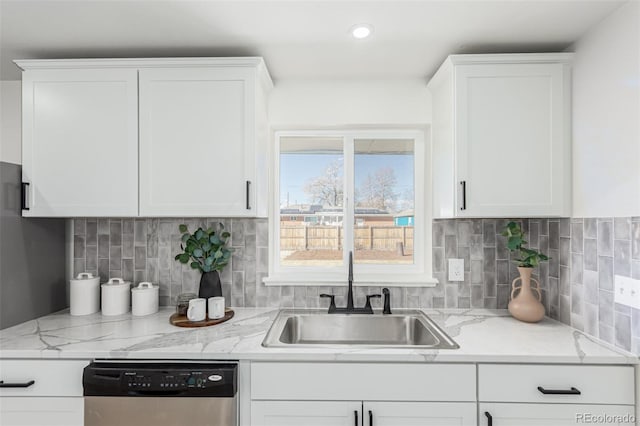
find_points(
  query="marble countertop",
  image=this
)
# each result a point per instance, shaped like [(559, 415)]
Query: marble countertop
[(483, 336)]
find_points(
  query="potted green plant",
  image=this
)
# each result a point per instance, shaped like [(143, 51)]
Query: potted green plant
[(524, 305), (206, 251)]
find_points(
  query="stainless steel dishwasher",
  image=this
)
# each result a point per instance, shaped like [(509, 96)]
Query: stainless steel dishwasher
[(141, 393)]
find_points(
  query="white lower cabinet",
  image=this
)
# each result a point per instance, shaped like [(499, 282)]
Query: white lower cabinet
[(41, 392), (311, 413), (359, 413), (555, 395), (363, 394), (41, 411), (419, 413), (554, 414)]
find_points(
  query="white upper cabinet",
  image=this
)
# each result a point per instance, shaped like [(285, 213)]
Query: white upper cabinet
[(145, 137), (501, 136), (80, 142), (202, 142)]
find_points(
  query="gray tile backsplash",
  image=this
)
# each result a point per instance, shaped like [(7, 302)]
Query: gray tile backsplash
[(143, 250), (601, 248), (577, 282)]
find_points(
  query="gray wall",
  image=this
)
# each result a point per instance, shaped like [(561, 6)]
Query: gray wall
[(32, 257)]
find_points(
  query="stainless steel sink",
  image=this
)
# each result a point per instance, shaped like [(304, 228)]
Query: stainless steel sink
[(313, 328)]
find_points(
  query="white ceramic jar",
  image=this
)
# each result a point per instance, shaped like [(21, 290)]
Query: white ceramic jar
[(145, 299), (84, 292), (116, 297)]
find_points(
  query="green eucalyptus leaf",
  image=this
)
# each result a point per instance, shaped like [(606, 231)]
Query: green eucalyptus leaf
[(207, 268), (185, 238), (198, 253), (183, 228), (199, 234), (209, 261), (225, 234), (218, 254), (214, 240), (195, 265), (206, 246), (184, 258)]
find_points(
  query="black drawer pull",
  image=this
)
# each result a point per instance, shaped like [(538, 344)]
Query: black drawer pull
[(464, 194), (248, 188), (355, 413), (24, 196), (17, 385), (489, 418), (572, 391), (370, 418)]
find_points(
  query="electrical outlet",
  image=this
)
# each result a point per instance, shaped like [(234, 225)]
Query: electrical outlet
[(456, 269), (627, 291)]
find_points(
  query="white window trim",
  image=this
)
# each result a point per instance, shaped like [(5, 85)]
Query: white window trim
[(417, 275)]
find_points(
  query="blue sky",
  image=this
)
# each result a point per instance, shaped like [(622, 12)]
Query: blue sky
[(297, 169)]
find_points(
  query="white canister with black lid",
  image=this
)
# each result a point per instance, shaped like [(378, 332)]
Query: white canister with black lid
[(145, 299), (116, 297), (84, 292)]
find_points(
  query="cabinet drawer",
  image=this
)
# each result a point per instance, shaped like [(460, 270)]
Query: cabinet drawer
[(345, 381), (520, 383), (38, 411), (51, 377), (555, 414)]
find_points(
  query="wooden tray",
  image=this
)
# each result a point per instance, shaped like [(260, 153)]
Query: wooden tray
[(183, 321)]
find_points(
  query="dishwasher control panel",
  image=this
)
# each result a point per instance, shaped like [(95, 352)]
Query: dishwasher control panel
[(153, 379), (171, 380)]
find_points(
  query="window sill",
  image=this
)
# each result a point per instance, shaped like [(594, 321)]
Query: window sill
[(391, 280)]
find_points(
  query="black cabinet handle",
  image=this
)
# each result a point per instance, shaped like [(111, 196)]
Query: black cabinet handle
[(572, 391), (355, 413), (17, 385), (24, 196), (464, 194), (370, 418), (489, 418), (248, 188)]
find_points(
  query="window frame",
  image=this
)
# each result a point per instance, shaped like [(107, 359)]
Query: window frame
[(419, 274)]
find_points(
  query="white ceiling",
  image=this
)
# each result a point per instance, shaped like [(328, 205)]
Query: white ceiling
[(298, 39)]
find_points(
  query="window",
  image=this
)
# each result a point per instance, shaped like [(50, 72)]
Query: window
[(350, 191)]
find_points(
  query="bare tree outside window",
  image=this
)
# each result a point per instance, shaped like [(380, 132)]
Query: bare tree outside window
[(328, 188), (379, 190)]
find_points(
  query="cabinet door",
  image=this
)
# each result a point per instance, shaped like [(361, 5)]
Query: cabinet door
[(512, 144), (554, 414), (80, 142), (197, 136), (308, 413), (419, 414), (39, 411)]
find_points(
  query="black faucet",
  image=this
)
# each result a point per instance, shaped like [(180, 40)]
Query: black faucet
[(350, 309)]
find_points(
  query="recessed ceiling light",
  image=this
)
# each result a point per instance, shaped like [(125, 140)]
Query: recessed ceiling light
[(361, 31)]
